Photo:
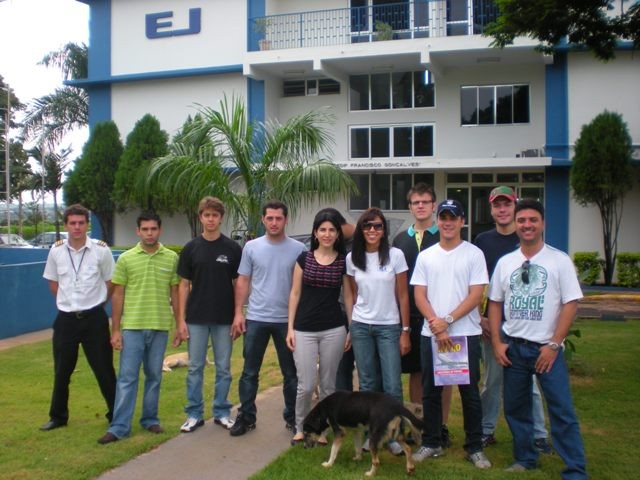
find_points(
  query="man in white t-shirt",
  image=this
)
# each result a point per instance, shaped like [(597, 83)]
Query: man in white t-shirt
[(448, 281), (538, 288)]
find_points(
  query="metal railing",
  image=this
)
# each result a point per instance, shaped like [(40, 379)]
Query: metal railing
[(393, 21)]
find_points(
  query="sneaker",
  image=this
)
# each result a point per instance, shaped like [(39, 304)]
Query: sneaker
[(191, 424), (224, 422), (516, 468), (446, 436), (241, 426), (427, 452), (395, 448), (107, 438), (488, 439), (365, 446), (479, 460), (543, 446)]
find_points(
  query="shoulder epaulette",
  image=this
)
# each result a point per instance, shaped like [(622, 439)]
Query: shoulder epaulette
[(102, 243), (58, 243)]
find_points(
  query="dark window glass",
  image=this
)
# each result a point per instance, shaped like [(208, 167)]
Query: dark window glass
[(521, 104), (535, 193), (380, 91), (504, 104), (326, 86), (457, 17), (312, 87), (507, 178), (359, 16), (359, 143), (423, 142), (533, 177), (380, 142), (421, 13), (482, 177), (360, 199), (401, 90), (424, 89), (485, 105), (402, 142), (423, 177), (293, 88), (400, 185), (381, 191), (469, 106), (457, 177), (359, 92)]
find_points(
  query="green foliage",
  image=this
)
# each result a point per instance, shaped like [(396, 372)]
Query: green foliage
[(384, 31), (261, 25), (146, 142), (629, 269), (581, 22), (21, 175), (601, 173), (589, 266), (94, 175)]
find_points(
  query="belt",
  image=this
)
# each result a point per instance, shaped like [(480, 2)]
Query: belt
[(524, 341), (83, 313)]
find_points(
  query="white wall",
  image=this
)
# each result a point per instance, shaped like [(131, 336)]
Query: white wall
[(221, 41)]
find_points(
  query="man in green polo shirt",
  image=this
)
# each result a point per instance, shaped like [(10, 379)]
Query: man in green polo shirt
[(144, 280)]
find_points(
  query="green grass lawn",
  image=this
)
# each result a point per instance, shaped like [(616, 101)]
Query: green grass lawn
[(606, 370), (605, 384)]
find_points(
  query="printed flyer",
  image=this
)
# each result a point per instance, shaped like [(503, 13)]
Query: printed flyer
[(451, 366)]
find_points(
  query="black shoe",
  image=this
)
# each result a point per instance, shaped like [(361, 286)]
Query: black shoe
[(241, 426), (107, 438), (52, 424), (445, 436), (543, 446), (488, 439)]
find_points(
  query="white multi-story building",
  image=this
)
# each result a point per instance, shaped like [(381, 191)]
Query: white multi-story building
[(418, 94)]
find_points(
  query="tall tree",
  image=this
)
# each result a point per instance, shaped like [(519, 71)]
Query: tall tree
[(93, 177), (602, 174), (146, 142), (582, 22), (251, 162), (50, 117)]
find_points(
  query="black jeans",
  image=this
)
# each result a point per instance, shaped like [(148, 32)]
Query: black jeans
[(92, 331), (470, 395)]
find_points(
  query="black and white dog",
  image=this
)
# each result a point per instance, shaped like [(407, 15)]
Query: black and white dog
[(378, 413)]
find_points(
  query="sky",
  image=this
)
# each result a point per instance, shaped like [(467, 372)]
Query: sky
[(29, 29)]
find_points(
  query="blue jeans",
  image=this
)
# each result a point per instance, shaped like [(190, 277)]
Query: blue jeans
[(376, 349), (144, 347), (469, 394), (222, 345), (256, 339), (491, 396), (565, 430)]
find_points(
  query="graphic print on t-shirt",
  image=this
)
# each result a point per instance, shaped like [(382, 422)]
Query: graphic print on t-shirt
[(527, 299)]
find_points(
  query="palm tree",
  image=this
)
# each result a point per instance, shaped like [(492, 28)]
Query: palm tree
[(51, 117), (247, 163)]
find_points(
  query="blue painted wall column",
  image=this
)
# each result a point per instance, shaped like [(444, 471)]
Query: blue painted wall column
[(557, 190)]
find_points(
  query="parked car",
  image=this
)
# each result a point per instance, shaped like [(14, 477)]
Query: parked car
[(13, 240), (304, 238), (47, 239)]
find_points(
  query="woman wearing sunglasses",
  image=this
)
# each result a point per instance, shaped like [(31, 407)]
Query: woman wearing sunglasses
[(379, 331)]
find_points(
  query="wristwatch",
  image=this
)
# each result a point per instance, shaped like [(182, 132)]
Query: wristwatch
[(554, 346), (448, 319), (406, 329)]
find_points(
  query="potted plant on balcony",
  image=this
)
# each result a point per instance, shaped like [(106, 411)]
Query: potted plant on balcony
[(260, 26), (384, 31)]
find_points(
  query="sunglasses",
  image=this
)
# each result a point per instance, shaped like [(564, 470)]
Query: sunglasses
[(525, 271), (378, 227)]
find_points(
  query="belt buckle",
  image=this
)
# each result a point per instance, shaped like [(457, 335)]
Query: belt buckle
[(80, 315)]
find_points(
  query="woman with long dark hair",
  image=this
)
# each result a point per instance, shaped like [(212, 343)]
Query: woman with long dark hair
[(317, 334)]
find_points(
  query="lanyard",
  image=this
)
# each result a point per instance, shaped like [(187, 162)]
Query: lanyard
[(73, 265)]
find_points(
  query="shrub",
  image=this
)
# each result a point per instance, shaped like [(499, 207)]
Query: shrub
[(588, 265), (629, 269)]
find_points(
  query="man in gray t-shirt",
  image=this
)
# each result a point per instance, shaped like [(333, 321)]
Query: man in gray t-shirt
[(266, 269)]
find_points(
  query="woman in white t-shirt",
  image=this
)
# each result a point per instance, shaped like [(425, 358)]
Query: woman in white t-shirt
[(379, 330)]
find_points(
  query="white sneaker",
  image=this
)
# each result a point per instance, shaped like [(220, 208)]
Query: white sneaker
[(191, 424), (395, 448), (479, 460), (427, 452), (224, 422), (365, 445)]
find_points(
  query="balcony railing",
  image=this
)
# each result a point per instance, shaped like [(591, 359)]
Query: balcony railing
[(392, 21)]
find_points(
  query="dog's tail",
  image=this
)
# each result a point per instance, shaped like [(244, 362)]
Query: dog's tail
[(414, 422)]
